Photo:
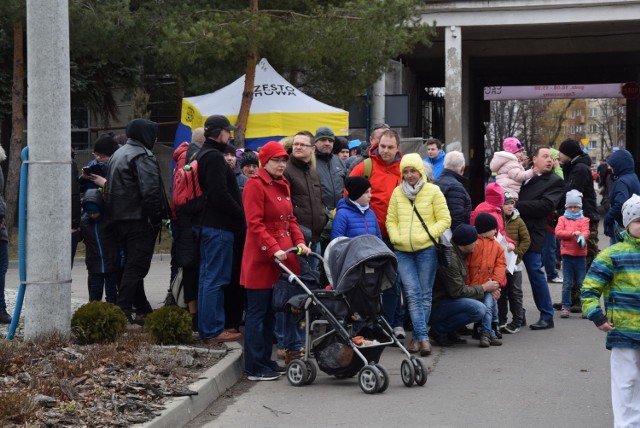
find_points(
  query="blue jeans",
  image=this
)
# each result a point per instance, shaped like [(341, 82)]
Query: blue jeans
[(539, 286), (573, 268), (289, 332), (216, 250), (491, 315), (258, 333), (417, 271), (4, 265), (549, 255), (451, 314)]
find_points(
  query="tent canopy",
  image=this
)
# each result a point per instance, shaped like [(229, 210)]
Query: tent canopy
[(278, 109)]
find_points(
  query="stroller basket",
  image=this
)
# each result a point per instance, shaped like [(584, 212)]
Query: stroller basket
[(336, 358)]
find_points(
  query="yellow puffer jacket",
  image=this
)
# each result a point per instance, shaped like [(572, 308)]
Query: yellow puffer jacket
[(403, 225)]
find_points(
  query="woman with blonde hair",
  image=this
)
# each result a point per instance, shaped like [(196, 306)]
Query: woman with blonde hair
[(417, 216)]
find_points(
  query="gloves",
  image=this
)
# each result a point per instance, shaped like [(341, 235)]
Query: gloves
[(581, 241)]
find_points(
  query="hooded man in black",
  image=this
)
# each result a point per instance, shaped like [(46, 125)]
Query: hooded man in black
[(135, 202)]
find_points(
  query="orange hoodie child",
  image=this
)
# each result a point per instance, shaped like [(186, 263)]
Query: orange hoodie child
[(486, 262)]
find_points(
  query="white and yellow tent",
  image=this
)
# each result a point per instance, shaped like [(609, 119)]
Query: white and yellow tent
[(278, 109)]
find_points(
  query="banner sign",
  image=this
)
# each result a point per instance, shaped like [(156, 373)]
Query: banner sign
[(538, 92)]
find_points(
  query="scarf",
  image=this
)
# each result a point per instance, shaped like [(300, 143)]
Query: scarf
[(411, 191), (362, 208), (573, 216)]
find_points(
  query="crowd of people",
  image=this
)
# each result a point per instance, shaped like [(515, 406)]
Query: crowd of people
[(311, 188)]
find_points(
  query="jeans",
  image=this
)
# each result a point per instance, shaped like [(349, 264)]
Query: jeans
[(573, 268), (491, 315), (289, 332), (549, 255), (451, 314), (4, 265), (216, 250), (539, 286), (107, 281), (258, 333), (511, 298), (137, 238), (417, 271)]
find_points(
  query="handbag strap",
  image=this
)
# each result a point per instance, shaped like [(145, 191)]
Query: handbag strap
[(415, 210)]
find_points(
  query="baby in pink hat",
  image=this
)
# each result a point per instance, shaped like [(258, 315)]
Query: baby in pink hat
[(510, 174)]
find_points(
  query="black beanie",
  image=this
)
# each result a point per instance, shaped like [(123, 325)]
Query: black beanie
[(485, 222), (356, 186), (230, 149), (105, 145), (249, 157), (464, 234), (570, 148)]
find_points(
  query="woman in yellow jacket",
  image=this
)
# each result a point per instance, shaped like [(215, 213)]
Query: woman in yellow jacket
[(415, 199)]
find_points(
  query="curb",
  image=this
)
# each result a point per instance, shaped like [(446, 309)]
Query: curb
[(212, 384)]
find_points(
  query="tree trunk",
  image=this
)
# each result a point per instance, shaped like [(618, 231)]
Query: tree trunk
[(17, 126), (247, 93)]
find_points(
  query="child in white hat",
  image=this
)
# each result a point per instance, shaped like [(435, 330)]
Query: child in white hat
[(615, 274), (572, 231)]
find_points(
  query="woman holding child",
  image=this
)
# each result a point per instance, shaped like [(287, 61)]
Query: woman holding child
[(417, 209)]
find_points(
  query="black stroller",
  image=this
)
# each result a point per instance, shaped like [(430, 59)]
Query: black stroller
[(359, 269)]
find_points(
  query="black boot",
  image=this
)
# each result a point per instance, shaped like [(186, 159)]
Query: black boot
[(476, 331), (5, 318), (496, 329)]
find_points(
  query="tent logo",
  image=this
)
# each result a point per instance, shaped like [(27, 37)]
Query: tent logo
[(273, 89), (190, 114)]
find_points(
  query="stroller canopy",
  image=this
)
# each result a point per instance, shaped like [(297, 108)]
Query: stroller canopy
[(346, 259)]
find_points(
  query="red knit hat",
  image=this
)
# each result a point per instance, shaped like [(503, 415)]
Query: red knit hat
[(272, 149), (494, 195)]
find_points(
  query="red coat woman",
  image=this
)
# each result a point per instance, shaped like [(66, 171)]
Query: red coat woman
[(271, 229)]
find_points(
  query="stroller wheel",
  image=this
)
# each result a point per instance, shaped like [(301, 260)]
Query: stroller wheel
[(421, 372), (407, 373), (297, 373), (384, 376), (369, 379), (312, 372)]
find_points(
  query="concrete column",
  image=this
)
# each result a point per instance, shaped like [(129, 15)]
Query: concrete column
[(48, 242), (453, 83), (377, 108)]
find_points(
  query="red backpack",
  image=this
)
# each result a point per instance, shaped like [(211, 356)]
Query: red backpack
[(187, 196)]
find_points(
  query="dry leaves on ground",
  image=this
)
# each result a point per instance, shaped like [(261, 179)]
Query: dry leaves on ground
[(55, 382)]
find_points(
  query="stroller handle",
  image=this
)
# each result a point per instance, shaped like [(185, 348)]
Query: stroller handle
[(298, 251)]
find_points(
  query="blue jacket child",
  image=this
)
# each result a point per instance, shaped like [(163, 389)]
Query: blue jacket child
[(102, 253), (625, 184), (353, 216)]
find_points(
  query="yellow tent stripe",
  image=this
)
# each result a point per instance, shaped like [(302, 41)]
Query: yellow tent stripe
[(274, 123)]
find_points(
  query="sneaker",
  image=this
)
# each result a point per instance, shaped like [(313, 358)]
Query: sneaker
[(399, 332), (564, 313), (485, 340), (494, 341), (265, 376), (575, 309), (511, 328), (556, 280), (5, 318), (280, 369)]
